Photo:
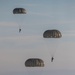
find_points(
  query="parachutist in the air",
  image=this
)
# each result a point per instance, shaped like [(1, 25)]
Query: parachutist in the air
[(52, 59), (19, 30)]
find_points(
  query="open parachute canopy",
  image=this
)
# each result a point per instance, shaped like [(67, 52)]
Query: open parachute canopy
[(52, 34), (34, 62), (19, 11)]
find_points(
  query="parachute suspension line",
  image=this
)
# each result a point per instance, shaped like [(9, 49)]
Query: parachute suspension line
[(51, 50), (19, 12), (51, 38)]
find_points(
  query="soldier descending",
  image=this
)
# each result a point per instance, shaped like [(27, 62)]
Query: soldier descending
[(52, 59), (19, 13), (19, 30)]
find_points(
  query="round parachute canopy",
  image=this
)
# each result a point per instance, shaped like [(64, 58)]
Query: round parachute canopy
[(19, 11), (34, 62), (52, 34)]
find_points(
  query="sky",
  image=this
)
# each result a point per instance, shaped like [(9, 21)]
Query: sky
[(42, 15)]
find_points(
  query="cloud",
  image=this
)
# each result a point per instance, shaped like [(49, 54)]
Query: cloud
[(31, 5), (8, 24), (21, 38), (63, 22), (20, 42), (69, 33), (67, 22), (40, 14)]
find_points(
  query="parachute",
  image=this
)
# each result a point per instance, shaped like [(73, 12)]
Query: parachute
[(19, 16), (19, 11), (52, 44), (34, 62), (52, 34)]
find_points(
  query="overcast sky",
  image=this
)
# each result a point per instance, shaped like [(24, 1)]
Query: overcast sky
[(16, 48)]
